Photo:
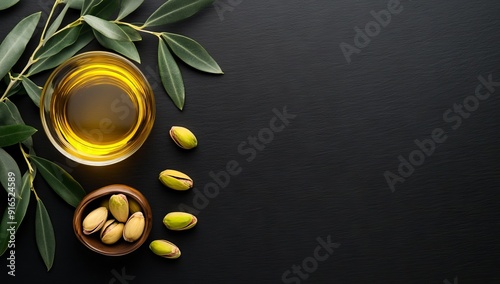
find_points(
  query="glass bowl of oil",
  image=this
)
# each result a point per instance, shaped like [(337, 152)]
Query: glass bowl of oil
[(97, 108)]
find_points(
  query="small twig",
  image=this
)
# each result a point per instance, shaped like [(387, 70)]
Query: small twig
[(137, 28), (30, 170), (32, 59), (42, 37), (26, 156), (70, 25)]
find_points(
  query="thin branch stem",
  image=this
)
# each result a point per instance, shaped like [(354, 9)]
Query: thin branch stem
[(42, 37), (70, 25), (13, 80), (137, 28), (33, 188), (26, 155), (32, 59), (31, 170)]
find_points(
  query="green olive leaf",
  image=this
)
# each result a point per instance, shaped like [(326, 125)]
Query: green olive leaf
[(133, 34), (4, 234), (16, 115), (9, 167), (3, 87), (45, 237), (33, 90), (4, 4), (53, 61), (59, 180), (170, 74), (192, 53), (87, 6), (127, 7), (17, 119), (59, 42), (126, 48), (25, 196), (74, 4), (105, 9), (57, 22), (106, 28), (15, 42), (15, 133), (16, 89), (11, 222), (6, 117), (175, 10)]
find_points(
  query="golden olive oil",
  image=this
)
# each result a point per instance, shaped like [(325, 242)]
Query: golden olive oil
[(98, 108)]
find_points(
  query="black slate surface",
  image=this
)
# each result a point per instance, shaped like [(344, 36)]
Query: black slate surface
[(321, 178)]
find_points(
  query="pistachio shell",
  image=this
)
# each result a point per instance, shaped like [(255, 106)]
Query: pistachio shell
[(133, 206), (183, 137), (176, 180), (134, 227), (179, 221), (165, 249), (111, 232), (118, 206), (94, 220)]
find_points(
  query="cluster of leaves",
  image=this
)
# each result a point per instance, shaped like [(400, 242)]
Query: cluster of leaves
[(101, 20)]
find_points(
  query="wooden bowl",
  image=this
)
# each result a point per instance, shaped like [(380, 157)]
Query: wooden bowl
[(92, 201)]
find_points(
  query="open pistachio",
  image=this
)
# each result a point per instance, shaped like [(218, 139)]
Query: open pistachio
[(179, 221), (95, 220), (183, 137), (165, 249), (134, 227), (118, 206), (176, 180), (133, 206), (111, 232)]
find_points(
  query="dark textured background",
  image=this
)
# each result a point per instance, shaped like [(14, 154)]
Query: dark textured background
[(323, 174)]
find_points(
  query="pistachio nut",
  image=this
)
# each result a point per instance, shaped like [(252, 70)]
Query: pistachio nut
[(133, 206), (118, 206), (111, 232), (165, 249), (183, 137), (134, 227), (94, 220), (179, 221), (176, 180)]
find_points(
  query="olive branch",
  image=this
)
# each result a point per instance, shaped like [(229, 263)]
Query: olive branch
[(102, 20)]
